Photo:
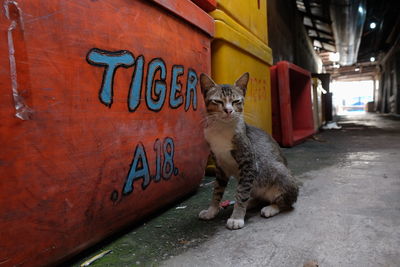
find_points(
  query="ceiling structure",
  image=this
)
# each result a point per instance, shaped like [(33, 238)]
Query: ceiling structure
[(374, 43), (316, 19)]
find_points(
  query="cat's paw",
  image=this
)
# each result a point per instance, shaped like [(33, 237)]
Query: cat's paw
[(209, 213), (234, 224), (269, 211)]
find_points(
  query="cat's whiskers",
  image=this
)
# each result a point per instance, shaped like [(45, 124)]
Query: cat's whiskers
[(209, 118), (249, 117), (203, 121)]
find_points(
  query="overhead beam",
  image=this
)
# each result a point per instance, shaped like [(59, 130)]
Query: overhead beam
[(312, 16), (324, 40), (318, 30), (308, 10), (326, 49)]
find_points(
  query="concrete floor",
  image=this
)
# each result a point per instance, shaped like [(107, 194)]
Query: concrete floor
[(347, 214)]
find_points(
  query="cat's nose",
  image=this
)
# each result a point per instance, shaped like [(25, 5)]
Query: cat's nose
[(228, 110)]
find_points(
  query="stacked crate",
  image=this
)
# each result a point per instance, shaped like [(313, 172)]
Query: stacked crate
[(241, 45)]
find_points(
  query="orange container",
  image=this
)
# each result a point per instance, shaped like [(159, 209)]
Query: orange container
[(100, 119)]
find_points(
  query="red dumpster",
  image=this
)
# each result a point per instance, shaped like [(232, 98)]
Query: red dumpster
[(292, 116), (100, 119)]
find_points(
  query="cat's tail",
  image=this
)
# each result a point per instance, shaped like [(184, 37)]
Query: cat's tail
[(289, 197)]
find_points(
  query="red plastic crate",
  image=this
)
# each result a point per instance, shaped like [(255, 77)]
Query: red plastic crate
[(206, 5), (292, 116)]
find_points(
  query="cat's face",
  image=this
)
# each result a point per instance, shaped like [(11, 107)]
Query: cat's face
[(224, 101)]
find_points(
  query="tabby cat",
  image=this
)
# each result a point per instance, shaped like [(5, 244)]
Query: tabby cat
[(245, 152)]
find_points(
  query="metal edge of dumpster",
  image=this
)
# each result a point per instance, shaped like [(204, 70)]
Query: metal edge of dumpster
[(183, 9), (206, 5)]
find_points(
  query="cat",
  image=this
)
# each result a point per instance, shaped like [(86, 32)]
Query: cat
[(245, 152)]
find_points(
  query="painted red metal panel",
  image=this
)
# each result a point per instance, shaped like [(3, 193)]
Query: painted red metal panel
[(291, 103), (207, 5), (100, 124)]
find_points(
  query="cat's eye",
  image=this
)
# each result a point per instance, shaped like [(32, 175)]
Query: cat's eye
[(217, 102), (236, 102)]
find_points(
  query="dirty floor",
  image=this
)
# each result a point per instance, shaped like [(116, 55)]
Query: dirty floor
[(347, 214)]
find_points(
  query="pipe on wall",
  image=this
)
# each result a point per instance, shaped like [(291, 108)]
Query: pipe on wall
[(348, 18)]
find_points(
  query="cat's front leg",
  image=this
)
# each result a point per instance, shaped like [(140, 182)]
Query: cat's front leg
[(247, 173), (236, 221), (219, 188)]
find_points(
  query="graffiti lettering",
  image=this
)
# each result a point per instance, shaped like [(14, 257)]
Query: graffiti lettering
[(191, 88), (155, 65), (157, 149), (140, 169), (111, 61), (168, 165), (155, 82), (175, 98), (136, 85)]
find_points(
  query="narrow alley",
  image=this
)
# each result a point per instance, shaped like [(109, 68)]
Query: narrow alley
[(347, 213), (121, 123)]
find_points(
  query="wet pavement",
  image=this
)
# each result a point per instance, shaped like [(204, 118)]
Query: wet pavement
[(347, 214)]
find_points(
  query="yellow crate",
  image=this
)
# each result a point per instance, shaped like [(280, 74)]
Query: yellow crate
[(251, 14), (235, 51)]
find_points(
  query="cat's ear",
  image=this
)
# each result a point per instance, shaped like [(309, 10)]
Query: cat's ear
[(242, 82), (206, 83)]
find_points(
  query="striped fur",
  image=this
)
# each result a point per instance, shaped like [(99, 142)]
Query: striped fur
[(245, 152)]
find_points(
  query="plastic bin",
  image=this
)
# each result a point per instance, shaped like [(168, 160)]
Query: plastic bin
[(291, 105), (235, 51), (100, 114), (206, 5), (251, 14)]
